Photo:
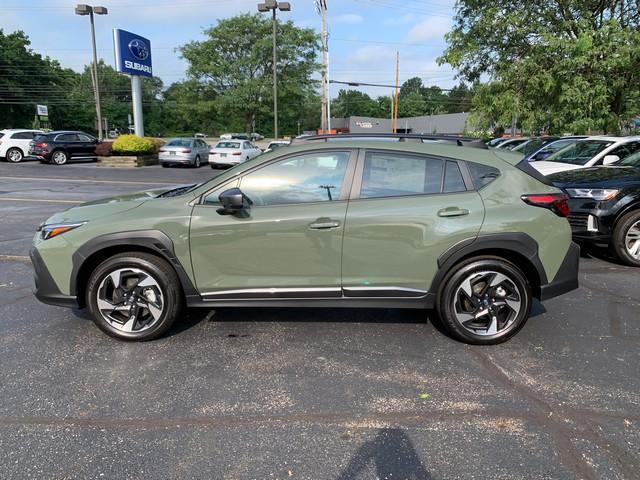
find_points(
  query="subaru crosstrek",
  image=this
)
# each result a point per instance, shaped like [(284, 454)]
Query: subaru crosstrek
[(473, 233)]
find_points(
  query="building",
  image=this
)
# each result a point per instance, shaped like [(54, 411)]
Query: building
[(447, 123)]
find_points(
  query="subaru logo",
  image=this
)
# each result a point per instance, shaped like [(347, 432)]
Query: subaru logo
[(139, 49)]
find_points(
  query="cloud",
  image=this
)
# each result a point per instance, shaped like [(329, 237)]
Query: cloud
[(428, 29), (349, 18), (406, 18)]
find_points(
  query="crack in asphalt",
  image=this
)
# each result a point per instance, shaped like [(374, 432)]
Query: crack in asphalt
[(555, 421)]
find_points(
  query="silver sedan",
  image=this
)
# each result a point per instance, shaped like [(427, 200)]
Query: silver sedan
[(185, 151)]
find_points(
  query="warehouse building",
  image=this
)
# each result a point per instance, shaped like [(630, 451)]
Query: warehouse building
[(447, 123)]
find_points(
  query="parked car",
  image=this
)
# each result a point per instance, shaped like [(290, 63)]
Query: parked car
[(590, 152), (552, 147), (276, 144), (511, 143), (533, 144), (605, 206), (255, 136), (494, 142), (60, 147), (200, 135), (183, 151), (14, 143), (232, 152), (321, 224)]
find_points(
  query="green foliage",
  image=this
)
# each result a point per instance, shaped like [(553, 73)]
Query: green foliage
[(131, 144), (561, 66)]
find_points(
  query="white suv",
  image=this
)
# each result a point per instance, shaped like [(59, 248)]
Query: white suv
[(588, 152), (14, 143)]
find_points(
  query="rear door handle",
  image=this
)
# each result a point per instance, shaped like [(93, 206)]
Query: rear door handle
[(453, 212), (324, 224)]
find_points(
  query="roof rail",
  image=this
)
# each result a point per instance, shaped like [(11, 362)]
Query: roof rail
[(402, 137)]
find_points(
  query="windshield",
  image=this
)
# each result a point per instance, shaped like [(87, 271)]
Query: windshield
[(228, 145), (632, 160), (179, 142), (511, 144), (530, 146), (579, 153)]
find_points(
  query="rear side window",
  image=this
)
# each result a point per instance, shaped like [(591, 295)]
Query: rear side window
[(453, 181), (482, 175), (390, 174), (23, 136), (67, 137)]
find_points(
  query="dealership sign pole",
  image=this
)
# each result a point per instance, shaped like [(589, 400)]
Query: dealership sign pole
[(133, 57)]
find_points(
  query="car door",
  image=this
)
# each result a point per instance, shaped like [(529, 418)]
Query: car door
[(289, 243), (86, 146), (406, 210)]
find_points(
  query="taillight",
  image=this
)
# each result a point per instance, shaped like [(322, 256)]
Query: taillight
[(186, 150), (161, 151), (42, 145), (236, 153), (556, 202)]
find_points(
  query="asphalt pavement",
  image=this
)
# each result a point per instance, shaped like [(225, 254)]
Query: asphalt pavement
[(305, 393)]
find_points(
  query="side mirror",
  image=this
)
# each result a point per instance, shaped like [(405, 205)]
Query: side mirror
[(234, 202), (610, 159)]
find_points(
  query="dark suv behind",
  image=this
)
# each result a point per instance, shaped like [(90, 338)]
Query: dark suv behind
[(62, 146)]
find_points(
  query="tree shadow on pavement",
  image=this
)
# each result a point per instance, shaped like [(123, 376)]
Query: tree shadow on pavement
[(391, 453)]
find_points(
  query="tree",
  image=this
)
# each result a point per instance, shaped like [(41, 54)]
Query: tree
[(235, 62), (567, 65), (353, 103)]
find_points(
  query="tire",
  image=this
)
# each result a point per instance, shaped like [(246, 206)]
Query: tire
[(59, 157), (214, 166), (157, 303), (165, 165), (625, 241), (14, 155), (462, 314), (196, 163)]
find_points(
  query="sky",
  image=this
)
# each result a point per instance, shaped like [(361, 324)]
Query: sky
[(364, 35)]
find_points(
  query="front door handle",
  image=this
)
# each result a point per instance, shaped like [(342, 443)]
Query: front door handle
[(453, 212), (324, 224)]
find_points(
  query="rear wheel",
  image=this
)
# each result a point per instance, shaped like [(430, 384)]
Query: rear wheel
[(14, 155), (625, 241), (59, 157), (484, 301), (134, 296), (197, 162)]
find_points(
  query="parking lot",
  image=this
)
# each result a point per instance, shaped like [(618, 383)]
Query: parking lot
[(303, 393)]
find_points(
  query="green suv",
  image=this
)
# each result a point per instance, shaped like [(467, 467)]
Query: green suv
[(473, 233)]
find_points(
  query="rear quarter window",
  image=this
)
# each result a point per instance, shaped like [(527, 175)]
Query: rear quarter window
[(482, 175)]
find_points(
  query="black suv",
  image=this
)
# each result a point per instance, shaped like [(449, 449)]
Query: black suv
[(605, 206), (61, 146)]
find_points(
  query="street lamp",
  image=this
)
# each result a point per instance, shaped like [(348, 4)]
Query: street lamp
[(273, 5), (83, 9)]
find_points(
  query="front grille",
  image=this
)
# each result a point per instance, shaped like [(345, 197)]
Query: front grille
[(578, 221)]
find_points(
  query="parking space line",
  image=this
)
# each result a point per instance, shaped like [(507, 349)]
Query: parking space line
[(85, 180), (41, 200), (14, 258)]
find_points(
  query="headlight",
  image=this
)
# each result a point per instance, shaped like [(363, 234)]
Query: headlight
[(53, 230), (594, 193)]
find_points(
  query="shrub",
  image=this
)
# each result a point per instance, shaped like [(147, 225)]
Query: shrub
[(104, 149), (157, 144), (132, 145)]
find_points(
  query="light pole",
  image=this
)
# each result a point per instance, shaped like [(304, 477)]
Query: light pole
[(83, 9), (273, 5)]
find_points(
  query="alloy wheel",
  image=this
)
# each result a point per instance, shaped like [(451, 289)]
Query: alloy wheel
[(130, 300), (632, 240), (487, 302), (14, 155), (59, 158)]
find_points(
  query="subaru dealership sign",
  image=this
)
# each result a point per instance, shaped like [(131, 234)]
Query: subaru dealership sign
[(133, 53)]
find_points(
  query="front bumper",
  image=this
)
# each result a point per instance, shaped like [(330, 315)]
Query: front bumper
[(46, 289), (566, 279)]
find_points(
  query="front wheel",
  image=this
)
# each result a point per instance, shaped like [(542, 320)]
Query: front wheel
[(625, 241), (484, 301), (59, 157), (134, 296), (14, 155)]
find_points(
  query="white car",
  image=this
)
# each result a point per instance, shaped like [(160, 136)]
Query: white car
[(590, 152), (14, 143), (232, 152), (276, 144)]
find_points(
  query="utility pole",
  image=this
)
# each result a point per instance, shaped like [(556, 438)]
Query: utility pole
[(325, 122), (394, 120), (265, 7)]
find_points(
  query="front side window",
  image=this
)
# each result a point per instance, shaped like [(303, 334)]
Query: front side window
[(312, 177), (580, 152), (626, 150), (212, 198), (85, 138), (390, 174)]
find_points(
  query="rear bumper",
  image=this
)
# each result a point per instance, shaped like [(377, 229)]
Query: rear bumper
[(46, 289), (566, 279)]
